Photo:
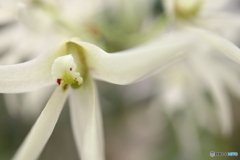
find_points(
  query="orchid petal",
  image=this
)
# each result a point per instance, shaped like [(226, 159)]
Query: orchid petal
[(212, 5), (86, 122), (27, 18), (202, 109), (43, 128), (8, 3), (131, 65), (192, 135), (222, 44), (217, 19), (212, 82), (38, 99), (230, 77), (30, 75), (21, 105), (169, 8)]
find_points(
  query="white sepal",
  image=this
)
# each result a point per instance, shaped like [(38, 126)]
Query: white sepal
[(37, 138), (30, 75), (87, 122)]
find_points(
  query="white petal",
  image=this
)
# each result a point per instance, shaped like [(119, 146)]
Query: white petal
[(8, 37), (8, 3), (34, 102), (219, 19), (131, 65), (81, 10), (215, 86), (27, 17), (187, 135), (169, 7), (203, 110), (223, 45), (28, 106), (212, 5), (29, 75), (86, 121), (231, 78), (43, 128)]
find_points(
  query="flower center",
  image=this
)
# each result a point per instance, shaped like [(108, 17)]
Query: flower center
[(64, 71), (187, 8)]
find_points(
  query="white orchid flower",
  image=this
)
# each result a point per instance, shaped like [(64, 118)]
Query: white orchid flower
[(71, 66), (31, 26), (194, 93), (203, 18), (199, 17), (197, 87)]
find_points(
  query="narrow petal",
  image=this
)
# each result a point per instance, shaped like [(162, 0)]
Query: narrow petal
[(187, 135), (21, 105), (30, 75), (9, 3), (86, 122), (43, 128), (38, 99), (27, 17), (215, 86), (220, 43), (8, 37), (230, 77), (131, 65), (219, 19), (212, 5), (203, 110)]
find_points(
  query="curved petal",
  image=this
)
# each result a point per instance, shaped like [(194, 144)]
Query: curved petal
[(215, 86), (86, 122), (219, 19), (27, 17), (230, 78), (9, 3), (43, 128), (131, 65), (212, 5), (30, 75), (223, 45), (169, 7), (8, 37)]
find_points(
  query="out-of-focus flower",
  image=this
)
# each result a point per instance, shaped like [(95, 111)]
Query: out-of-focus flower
[(34, 25), (134, 21), (72, 65), (202, 17), (184, 16)]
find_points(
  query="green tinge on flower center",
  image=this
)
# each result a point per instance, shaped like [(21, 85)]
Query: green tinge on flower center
[(187, 8), (64, 71)]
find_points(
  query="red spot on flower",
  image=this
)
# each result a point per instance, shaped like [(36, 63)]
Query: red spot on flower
[(70, 69), (59, 81)]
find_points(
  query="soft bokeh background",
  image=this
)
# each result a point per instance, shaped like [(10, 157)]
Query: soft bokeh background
[(138, 124)]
